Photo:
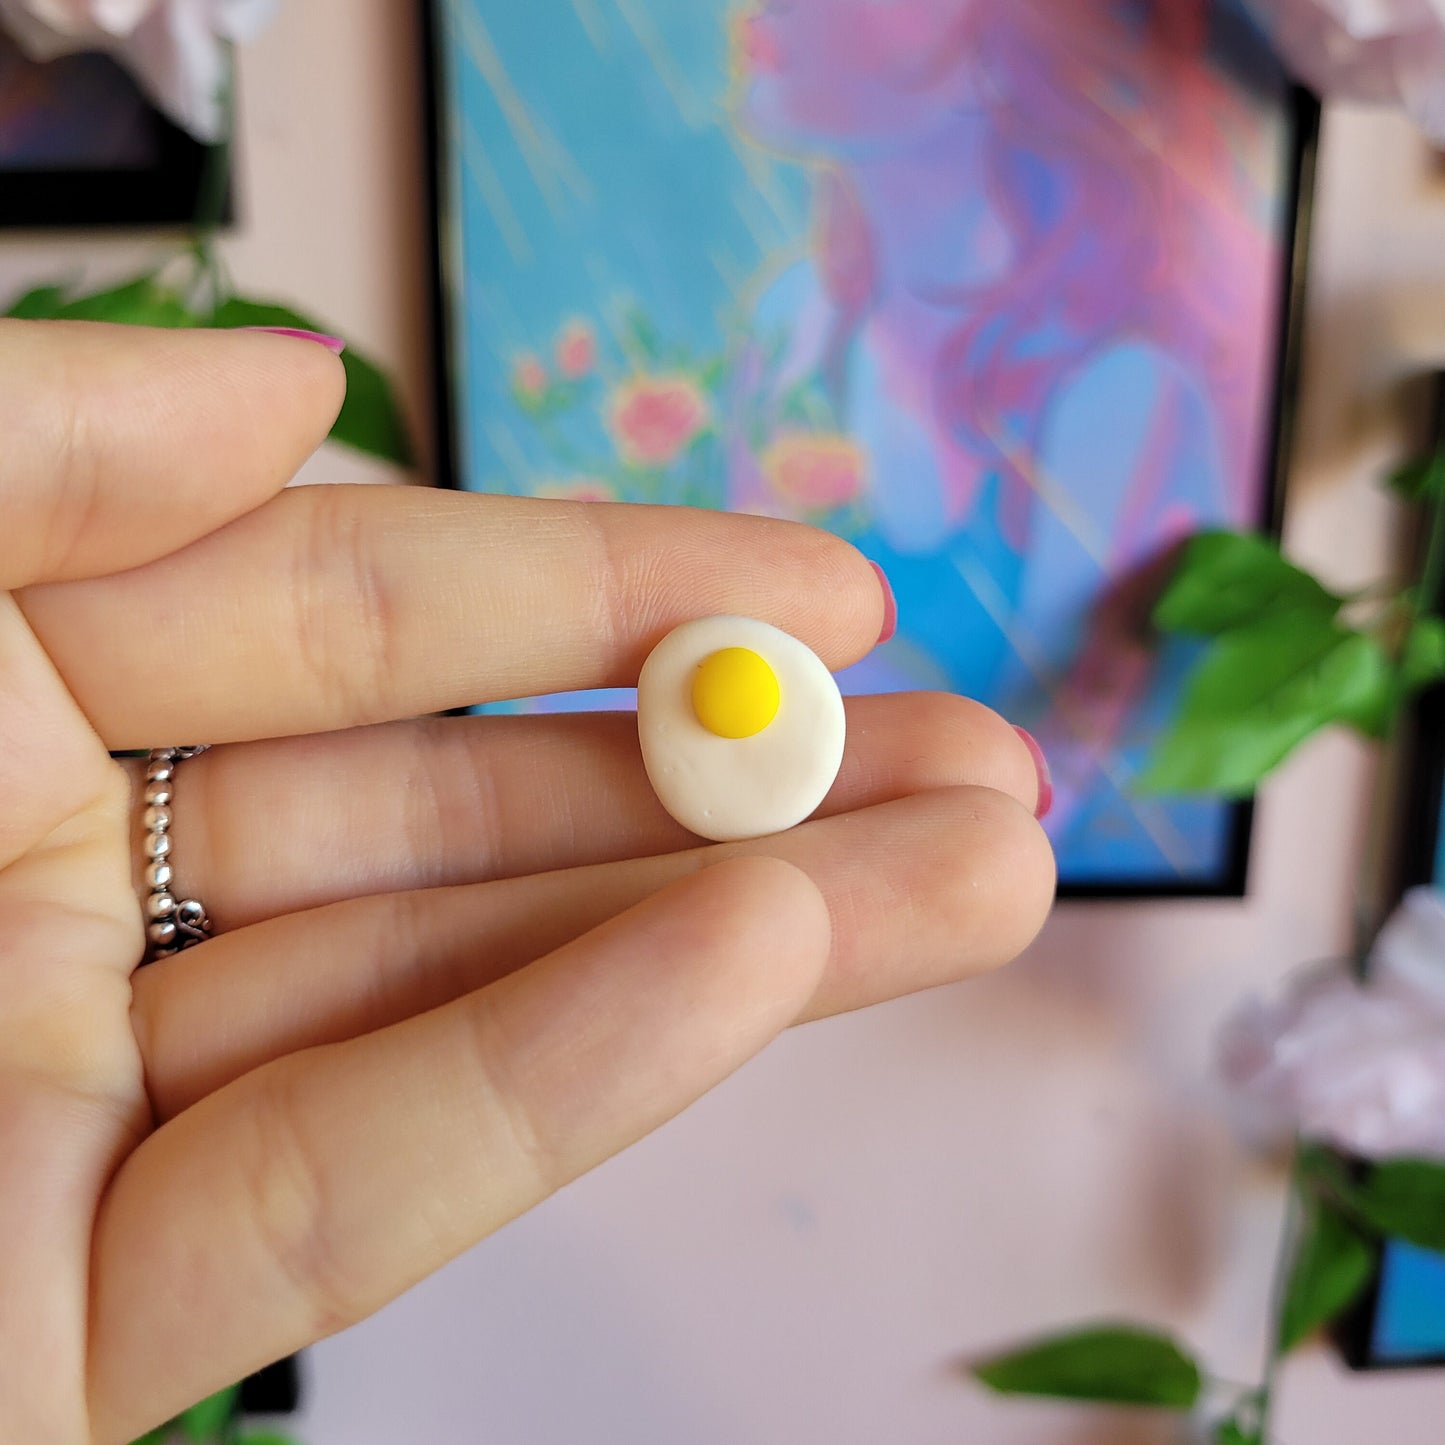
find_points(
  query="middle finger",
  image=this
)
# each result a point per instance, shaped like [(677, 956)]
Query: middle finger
[(276, 827)]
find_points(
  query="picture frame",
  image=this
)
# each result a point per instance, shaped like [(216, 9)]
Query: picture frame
[(457, 217), (1399, 1323), (82, 148)]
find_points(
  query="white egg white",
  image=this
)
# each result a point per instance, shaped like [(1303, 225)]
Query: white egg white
[(727, 789)]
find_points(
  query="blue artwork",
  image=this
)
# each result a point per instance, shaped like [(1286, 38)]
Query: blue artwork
[(992, 290), (1410, 1307)]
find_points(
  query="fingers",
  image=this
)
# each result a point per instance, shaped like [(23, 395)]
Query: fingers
[(921, 891), (309, 1193), (336, 606), (51, 766), (277, 827), (122, 443)]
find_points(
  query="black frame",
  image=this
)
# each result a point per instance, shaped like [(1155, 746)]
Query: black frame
[(167, 193), (1355, 1333), (1233, 879), (273, 1390), (1423, 761), (446, 439)]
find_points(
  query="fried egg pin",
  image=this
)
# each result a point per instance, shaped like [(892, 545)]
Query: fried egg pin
[(741, 725)]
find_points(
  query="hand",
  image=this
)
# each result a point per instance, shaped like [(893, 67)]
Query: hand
[(458, 962)]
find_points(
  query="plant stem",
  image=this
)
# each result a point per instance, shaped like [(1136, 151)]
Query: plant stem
[(216, 184), (1279, 1288), (215, 177)]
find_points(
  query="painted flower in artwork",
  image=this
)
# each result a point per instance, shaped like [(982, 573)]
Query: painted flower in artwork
[(654, 419), (816, 472), (576, 489), (529, 377), (176, 49), (576, 350)]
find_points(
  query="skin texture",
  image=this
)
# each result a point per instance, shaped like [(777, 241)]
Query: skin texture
[(460, 962)]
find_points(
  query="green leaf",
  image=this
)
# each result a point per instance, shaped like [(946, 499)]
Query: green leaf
[(265, 1437), (1332, 1265), (1396, 1199), (1227, 579), (1375, 709), (1405, 1199), (711, 376), (641, 335), (204, 1423), (1323, 1175), (534, 403), (1423, 659), (41, 304), (1420, 480), (1259, 692), (1231, 1432), (159, 1436), (141, 302), (1111, 1363), (370, 420)]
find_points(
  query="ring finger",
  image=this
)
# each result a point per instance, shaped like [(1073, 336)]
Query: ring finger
[(921, 891)]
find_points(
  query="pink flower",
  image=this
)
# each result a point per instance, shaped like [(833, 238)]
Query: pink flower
[(576, 350), (576, 489), (529, 376), (816, 472), (655, 418), (1377, 51), (175, 48), (1359, 1066)]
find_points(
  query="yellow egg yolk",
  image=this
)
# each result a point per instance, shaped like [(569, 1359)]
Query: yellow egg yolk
[(735, 693)]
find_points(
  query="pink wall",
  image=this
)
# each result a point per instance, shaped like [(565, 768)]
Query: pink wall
[(801, 1257)]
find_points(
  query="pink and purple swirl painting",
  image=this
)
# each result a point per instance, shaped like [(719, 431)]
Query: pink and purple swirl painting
[(992, 289)]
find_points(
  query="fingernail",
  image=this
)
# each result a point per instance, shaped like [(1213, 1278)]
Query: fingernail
[(333, 344), (1046, 778), (890, 605)]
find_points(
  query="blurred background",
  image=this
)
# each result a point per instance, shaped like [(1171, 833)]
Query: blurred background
[(812, 1251)]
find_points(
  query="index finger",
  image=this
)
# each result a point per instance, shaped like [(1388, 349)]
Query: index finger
[(332, 607)]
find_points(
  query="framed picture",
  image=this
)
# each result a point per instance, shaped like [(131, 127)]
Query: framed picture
[(80, 145), (1400, 1323), (1007, 295)]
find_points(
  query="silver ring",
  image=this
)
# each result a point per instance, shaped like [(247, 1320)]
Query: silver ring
[(171, 924)]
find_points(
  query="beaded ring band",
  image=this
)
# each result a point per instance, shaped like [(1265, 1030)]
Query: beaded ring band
[(171, 924)]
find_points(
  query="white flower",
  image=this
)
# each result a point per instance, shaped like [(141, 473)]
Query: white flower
[(175, 48), (1360, 1066), (1371, 50)]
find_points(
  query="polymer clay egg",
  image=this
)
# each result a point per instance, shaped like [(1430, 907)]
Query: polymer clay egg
[(741, 725)]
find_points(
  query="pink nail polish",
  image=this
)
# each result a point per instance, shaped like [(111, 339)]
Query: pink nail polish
[(890, 605), (333, 344), (1046, 778)]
